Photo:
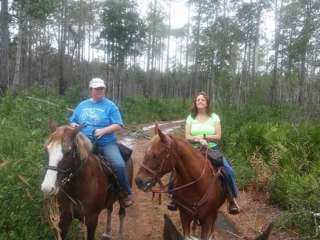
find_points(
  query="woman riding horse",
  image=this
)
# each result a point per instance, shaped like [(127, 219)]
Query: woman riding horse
[(100, 119), (197, 191), (202, 123)]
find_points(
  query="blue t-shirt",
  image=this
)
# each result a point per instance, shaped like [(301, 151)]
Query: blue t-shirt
[(94, 115)]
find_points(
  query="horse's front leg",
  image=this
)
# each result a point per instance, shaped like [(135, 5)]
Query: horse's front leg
[(185, 222), (107, 234), (64, 223), (91, 223), (207, 228), (122, 214)]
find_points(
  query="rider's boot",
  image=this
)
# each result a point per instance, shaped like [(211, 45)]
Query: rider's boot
[(126, 200), (233, 207)]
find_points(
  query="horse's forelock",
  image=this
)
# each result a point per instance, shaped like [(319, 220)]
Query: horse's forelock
[(56, 137), (84, 146)]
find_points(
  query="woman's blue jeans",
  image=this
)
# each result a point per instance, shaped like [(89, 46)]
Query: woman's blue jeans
[(230, 176), (111, 152)]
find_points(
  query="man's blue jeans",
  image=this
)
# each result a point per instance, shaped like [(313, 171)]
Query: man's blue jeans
[(111, 152)]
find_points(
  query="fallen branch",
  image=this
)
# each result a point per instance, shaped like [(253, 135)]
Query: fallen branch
[(48, 102), (3, 163)]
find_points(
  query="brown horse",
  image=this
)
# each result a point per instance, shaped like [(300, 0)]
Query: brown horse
[(197, 191), (76, 177)]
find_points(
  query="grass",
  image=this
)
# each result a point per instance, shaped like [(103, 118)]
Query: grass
[(271, 146)]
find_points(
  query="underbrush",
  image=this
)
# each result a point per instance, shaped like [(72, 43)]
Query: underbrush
[(279, 153), (270, 147)]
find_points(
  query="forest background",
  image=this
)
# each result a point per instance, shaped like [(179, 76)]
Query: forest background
[(264, 85)]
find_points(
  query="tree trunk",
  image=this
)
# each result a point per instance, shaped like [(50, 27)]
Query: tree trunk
[(4, 46), (62, 80), (18, 64), (188, 36), (274, 86), (194, 80)]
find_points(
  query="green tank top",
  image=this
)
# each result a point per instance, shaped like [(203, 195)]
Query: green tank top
[(198, 129)]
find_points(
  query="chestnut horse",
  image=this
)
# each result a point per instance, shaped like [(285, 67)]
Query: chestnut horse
[(197, 190), (76, 177)]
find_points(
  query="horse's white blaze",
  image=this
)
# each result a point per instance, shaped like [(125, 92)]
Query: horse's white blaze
[(48, 185), (191, 238)]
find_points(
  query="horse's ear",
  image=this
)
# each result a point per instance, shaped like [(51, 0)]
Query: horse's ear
[(156, 129), (52, 125), (163, 137)]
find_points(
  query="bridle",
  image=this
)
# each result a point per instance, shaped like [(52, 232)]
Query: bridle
[(156, 175), (193, 210), (69, 174)]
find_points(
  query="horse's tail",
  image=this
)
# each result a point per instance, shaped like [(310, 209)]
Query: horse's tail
[(170, 231), (130, 170), (265, 234)]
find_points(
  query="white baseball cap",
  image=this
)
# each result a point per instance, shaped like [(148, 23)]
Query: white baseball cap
[(96, 83)]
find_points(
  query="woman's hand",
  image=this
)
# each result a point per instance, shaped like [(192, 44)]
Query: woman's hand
[(74, 125), (98, 133), (203, 142)]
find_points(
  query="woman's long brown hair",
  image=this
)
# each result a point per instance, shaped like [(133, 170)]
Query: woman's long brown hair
[(194, 110)]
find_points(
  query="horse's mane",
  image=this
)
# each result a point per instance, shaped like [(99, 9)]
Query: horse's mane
[(178, 141), (84, 146)]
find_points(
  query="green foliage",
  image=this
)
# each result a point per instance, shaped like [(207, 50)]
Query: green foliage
[(268, 144), (141, 110), (273, 144), (23, 125), (122, 28)]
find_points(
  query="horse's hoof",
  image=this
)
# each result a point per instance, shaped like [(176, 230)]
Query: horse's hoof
[(105, 236)]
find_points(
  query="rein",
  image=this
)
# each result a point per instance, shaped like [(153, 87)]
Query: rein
[(193, 210), (162, 187)]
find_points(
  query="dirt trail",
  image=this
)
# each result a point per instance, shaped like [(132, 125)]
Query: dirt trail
[(144, 220)]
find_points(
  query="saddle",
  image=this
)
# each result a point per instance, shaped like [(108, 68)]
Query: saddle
[(216, 159), (214, 156), (105, 163), (124, 151)]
